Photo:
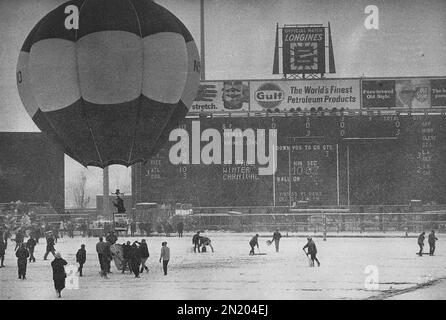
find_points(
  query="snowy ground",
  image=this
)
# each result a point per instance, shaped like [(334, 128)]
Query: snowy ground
[(230, 273)]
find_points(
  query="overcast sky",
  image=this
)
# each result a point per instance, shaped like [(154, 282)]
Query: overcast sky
[(410, 41)]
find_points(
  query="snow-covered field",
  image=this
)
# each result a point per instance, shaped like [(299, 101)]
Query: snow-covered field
[(230, 273)]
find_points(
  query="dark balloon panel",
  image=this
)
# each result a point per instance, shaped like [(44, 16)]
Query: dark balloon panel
[(109, 92)]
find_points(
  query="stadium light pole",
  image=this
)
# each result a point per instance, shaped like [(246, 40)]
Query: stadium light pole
[(337, 172), (348, 175), (202, 49), (274, 176), (289, 174)]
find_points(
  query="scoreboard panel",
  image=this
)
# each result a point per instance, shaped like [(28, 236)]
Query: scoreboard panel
[(325, 160)]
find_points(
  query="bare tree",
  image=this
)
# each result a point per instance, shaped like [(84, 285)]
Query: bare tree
[(81, 199)]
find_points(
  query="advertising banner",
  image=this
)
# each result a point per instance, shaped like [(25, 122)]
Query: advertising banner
[(378, 93), (303, 50), (413, 93), (438, 98), (399, 93), (304, 94), (221, 96)]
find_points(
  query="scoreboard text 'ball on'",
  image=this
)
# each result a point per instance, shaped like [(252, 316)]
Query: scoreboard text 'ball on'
[(110, 91)]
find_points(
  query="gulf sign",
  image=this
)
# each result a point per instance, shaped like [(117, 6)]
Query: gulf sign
[(269, 95), (304, 94)]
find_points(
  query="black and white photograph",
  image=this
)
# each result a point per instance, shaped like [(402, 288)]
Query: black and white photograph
[(222, 150)]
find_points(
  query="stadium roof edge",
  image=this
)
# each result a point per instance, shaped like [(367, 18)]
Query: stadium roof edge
[(335, 78)]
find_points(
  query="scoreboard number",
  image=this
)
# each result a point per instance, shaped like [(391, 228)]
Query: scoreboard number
[(342, 127)]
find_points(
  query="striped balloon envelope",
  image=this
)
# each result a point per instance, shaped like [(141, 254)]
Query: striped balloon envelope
[(110, 91)]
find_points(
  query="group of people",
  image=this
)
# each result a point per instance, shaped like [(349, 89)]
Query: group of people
[(104, 256), (104, 252), (254, 242), (135, 257), (24, 253), (431, 240), (22, 246), (136, 254), (310, 246), (200, 242)]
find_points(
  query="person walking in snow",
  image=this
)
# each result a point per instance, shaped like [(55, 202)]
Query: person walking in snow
[(165, 256), (312, 251)]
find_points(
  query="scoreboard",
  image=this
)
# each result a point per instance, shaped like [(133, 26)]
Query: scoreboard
[(325, 160)]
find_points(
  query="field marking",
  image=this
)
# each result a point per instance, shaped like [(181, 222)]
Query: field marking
[(392, 293)]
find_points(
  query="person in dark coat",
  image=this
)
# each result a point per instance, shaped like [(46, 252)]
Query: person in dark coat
[(205, 241), (83, 229), (2, 253), (22, 255), (107, 228), (49, 246), (107, 257), (180, 227), (431, 240), (119, 203), (145, 228), (135, 259), (2, 234), (6, 236), (81, 257), (253, 243), (55, 234), (421, 243), (32, 232), (59, 274), (36, 235), (111, 237), (168, 229), (276, 239), (70, 229), (144, 251), (30, 245), (100, 249), (19, 238), (312, 251), (196, 241), (126, 254)]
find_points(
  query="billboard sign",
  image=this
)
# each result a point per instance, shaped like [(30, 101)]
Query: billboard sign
[(120, 222), (221, 96), (413, 93), (306, 94), (438, 93), (350, 94), (303, 50), (378, 93), (400, 93)]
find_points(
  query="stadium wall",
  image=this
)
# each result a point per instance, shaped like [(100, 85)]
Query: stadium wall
[(31, 169)]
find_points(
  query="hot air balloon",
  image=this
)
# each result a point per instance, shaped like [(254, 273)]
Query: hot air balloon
[(110, 91)]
